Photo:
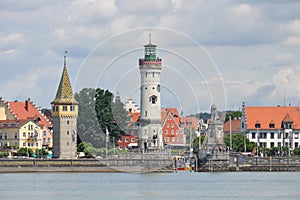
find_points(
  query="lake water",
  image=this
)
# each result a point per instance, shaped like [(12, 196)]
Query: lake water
[(182, 185)]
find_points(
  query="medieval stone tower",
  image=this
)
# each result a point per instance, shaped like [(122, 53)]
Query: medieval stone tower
[(150, 135), (64, 112)]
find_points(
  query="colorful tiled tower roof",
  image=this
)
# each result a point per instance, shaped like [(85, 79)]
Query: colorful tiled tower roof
[(64, 94)]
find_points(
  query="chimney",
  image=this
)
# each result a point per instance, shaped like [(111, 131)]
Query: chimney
[(26, 105)]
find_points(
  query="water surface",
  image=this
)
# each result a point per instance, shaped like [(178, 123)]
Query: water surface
[(182, 185)]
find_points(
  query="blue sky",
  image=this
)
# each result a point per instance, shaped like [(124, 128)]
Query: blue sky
[(222, 52)]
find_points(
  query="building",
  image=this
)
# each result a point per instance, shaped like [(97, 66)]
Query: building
[(150, 135), (64, 113), (22, 124), (131, 106), (173, 132), (234, 125), (130, 138), (189, 122), (272, 126)]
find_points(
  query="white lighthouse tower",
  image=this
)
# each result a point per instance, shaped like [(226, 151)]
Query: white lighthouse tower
[(150, 135)]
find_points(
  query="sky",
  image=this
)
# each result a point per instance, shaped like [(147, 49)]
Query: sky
[(221, 52)]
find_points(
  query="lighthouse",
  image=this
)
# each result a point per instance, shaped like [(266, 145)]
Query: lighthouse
[(150, 134)]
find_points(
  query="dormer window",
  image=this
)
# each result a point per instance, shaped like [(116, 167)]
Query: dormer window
[(271, 124), (257, 124)]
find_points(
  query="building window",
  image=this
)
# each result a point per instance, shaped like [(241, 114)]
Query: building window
[(177, 132), (296, 145), (72, 108), (257, 125), (65, 108), (172, 132), (253, 135), (272, 144), (68, 122), (126, 139), (132, 139), (68, 143), (24, 144), (16, 135), (145, 113), (44, 141), (24, 134), (279, 144), (5, 136), (153, 99), (279, 135), (168, 125), (166, 131), (37, 144), (172, 125), (56, 108), (29, 127), (272, 135), (28, 144), (296, 135), (45, 133), (271, 125), (67, 132)]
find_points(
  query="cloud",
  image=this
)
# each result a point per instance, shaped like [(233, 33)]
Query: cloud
[(292, 41), (87, 11), (12, 40)]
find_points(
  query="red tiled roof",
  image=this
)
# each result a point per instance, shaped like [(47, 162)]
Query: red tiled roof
[(134, 116), (235, 126), (26, 110), (192, 120), (174, 113), (267, 114)]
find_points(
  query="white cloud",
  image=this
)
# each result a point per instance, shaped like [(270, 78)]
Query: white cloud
[(12, 40), (292, 41), (86, 11), (293, 26)]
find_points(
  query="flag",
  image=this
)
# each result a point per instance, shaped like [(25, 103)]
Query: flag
[(73, 135), (107, 135), (35, 134)]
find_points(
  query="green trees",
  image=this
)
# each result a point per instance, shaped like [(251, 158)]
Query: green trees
[(41, 153), (233, 114), (24, 151), (88, 128), (238, 144), (110, 115)]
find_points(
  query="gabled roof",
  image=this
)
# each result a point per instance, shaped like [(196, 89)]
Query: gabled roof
[(173, 112), (267, 114), (287, 118), (64, 94), (27, 110), (235, 126)]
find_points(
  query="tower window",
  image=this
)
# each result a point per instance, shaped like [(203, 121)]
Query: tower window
[(145, 113), (65, 108), (72, 108), (68, 122), (153, 99)]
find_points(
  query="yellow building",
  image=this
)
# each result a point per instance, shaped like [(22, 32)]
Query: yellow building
[(23, 125)]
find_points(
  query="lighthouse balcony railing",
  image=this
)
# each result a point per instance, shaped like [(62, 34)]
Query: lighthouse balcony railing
[(150, 61)]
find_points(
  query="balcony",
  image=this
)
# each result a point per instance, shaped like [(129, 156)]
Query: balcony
[(150, 62)]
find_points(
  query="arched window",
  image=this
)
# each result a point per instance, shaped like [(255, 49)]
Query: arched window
[(153, 99)]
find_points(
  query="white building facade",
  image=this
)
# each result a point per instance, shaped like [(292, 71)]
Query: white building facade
[(272, 126)]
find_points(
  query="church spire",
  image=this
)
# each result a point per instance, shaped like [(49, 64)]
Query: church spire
[(64, 94)]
